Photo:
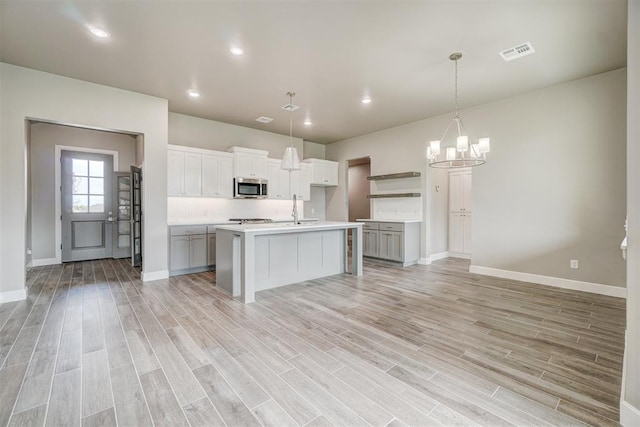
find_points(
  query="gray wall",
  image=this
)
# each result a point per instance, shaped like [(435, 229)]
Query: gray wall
[(44, 138), (631, 393), (552, 190), (30, 94)]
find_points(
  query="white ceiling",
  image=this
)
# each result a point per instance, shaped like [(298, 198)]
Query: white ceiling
[(330, 53)]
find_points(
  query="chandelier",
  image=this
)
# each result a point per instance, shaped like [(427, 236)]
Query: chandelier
[(469, 154), (290, 159)]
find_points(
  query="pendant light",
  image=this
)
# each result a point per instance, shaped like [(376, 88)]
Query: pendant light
[(470, 154), (290, 159)]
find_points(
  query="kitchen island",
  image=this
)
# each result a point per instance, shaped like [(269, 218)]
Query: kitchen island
[(255, 257)]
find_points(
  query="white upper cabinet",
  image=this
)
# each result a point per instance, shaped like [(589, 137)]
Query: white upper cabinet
[(249, 163), (460, 191), (278, 178), (217, 175), (323, 172), (184, 174)]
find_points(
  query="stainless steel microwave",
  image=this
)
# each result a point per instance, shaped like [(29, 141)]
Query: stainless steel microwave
[(249, 188)]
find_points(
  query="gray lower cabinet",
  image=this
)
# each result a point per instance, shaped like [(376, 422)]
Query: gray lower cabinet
[(189, 249), (392, 241), (211, 252)]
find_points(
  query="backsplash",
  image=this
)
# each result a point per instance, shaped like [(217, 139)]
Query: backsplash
[(209, 209), (400, 208)]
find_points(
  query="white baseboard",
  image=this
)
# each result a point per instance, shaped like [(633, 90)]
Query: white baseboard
[(11, 296), (44, 261), (458, 255), (576, 285), (425, 261), (629, 414), (439, 255), (155, 275)]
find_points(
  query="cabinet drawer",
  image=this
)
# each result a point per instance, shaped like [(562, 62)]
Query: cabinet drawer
[(391, 226), (371, 226), (187, 230)]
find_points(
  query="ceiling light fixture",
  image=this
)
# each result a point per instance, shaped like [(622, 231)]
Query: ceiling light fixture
[(290, 159), (477, 153), (366, 100), (236, 50), (307, 122), (194, 94), (99, 32)]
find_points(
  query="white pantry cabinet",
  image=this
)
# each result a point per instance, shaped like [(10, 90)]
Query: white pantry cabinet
[(460, 213), (184, 173), (323, 172), (217, 175)]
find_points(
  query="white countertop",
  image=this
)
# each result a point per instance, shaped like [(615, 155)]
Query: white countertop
[(402, 221), (288, 227), (213, 221)]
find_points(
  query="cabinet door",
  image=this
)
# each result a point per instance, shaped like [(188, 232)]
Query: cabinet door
[(198, 250), (456, 232), (317, 173), (466, 234), (277, 178), (175, 173), (391, 245), (331, 173), (466, 192), (455, 192), (217, 176), (211, 249), (192, 174), (301, 183), (179, 252), (259, 167), (370, 243), (225, 177)]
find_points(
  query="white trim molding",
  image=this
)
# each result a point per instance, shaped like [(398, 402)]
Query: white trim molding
[(154, 275), (425, 261), (458, 255), (439, 255), (44, 261), (10, 296), (558, 282), (629, 414)]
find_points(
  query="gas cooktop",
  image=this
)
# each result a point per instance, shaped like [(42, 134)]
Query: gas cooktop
[(251, 220)]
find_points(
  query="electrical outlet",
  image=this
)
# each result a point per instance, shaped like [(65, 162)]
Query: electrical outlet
[(573, 264)]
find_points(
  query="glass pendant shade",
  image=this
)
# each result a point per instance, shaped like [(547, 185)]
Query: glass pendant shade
[(290, 159), (435, 147), (484, 144), (451, 153), (462, 143)]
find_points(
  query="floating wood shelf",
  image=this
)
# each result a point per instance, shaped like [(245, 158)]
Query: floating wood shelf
[(391, 195), (393, 176)]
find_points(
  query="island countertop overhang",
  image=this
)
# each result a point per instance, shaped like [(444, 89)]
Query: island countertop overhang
[(289, 227)]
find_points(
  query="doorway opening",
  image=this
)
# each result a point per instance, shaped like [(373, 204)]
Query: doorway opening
[(358, 190), (80, 193)]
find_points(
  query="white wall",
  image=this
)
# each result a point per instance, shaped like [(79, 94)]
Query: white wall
[(553, 188), (33, 94), (630, 404), (44, 138)]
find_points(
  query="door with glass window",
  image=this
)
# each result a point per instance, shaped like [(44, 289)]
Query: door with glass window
[(122, 215), (87, 214)]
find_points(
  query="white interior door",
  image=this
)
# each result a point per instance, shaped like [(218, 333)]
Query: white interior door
[(86, 205)]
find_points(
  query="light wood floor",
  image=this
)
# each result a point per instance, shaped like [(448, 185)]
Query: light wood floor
[(424, 345)]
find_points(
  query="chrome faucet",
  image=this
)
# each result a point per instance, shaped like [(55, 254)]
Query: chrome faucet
[(294, 214)]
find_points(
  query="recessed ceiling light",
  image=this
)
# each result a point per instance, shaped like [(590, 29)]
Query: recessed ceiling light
[(99, 32), (236, 50), (194, 94), (366, 100), (307, 122), (264, 119)]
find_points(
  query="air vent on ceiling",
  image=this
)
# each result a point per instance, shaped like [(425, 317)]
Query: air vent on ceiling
[(518, 51), (290, 107), (263, 119)]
